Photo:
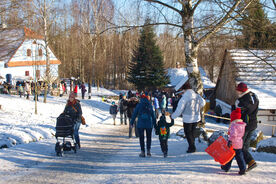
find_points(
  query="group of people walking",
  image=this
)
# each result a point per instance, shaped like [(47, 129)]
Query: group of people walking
[(141, 114), (144, 115)]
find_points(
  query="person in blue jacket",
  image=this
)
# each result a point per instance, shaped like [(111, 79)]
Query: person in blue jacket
[(146, 121)]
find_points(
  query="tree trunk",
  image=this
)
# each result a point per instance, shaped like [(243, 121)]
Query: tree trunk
[(191, 49)]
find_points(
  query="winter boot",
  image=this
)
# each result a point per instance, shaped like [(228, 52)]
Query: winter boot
[(242, 172), (223, 168), (252, 164), (191, 150), (148, 153), (142, 154), (165, 154)]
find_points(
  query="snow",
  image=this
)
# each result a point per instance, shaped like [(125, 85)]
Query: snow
[(267, 142), (107, 154), (255, 68), (178, 75)]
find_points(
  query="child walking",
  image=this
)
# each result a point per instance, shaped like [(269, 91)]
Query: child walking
[(113, 111), (236, 132), (163, 130)]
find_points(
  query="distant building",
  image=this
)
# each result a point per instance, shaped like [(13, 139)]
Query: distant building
[(23, 55), (256, 68)]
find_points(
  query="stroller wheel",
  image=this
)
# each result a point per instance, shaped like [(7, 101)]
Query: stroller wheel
[(58, 149)]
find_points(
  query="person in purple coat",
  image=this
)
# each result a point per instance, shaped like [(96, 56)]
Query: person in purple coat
[(83, 90)]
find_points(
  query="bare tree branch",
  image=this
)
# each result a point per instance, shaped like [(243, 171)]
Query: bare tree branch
[(166, 5), (223, 21), (262, 59), (274, 3)]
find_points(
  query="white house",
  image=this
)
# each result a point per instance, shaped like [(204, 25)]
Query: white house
[(23, 55)]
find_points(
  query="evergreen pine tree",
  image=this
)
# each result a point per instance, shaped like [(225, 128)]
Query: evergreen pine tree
[(255, 28), (146, 70)]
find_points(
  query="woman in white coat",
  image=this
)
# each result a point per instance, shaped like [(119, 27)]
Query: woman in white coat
[(189, 107)]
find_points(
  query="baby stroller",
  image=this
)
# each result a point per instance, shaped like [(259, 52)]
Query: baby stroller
[(65, 129)]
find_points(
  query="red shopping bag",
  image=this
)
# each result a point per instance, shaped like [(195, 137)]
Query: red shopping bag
[(220, 151)]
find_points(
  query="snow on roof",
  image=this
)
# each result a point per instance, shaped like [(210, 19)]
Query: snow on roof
[(256, 68), (12, 38), (177, 76)]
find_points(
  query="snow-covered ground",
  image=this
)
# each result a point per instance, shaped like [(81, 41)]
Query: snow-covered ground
[(107, 155)]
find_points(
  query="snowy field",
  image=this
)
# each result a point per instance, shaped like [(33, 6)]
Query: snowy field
[(107, 155)]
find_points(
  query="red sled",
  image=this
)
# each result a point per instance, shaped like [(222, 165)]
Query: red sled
[(220, 151)]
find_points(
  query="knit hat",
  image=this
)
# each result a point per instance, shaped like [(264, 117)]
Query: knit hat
[(72, 95), (113, 103), (242, 87), (235, 114)]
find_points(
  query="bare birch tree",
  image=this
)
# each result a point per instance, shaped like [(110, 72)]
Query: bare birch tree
[(44, 10), (195, 35)]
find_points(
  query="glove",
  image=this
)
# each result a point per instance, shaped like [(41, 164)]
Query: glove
[(156, 132), (229, 144)]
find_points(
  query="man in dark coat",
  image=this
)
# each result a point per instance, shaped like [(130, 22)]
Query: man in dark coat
[(249, 103), (123, 108), (83, 90), (131, 104)]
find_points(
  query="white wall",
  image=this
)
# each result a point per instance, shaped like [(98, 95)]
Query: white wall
[(21, 55)]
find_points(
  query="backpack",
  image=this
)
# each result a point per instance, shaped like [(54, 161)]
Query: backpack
[(163, 131), (145, 112)]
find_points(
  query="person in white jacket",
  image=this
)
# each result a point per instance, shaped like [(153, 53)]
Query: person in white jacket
[(189, 107)]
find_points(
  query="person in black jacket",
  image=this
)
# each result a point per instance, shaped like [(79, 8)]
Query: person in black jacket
[(163, 130), (113, 111), (123, 108), (73, 109), (249, 103), (131, 104)]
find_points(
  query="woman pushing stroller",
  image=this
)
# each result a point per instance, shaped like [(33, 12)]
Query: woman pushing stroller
[(73, 109)]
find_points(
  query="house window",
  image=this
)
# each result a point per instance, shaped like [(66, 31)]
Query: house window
[(37, 73), (29, 52), (27, 73), (40, 52)]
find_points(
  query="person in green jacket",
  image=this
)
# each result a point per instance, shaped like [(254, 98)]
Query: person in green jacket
[(163, 130)]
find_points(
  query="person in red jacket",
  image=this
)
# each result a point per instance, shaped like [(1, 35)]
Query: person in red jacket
[(76, 90)]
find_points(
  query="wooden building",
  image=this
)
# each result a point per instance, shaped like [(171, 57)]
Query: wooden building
[(257, 69)]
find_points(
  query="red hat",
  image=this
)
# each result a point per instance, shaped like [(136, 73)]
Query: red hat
[(235, 114), (144, 96), (241, 87)]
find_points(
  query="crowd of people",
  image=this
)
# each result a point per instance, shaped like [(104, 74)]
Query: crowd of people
[(143, 114), (147, 111), (28, 88)]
